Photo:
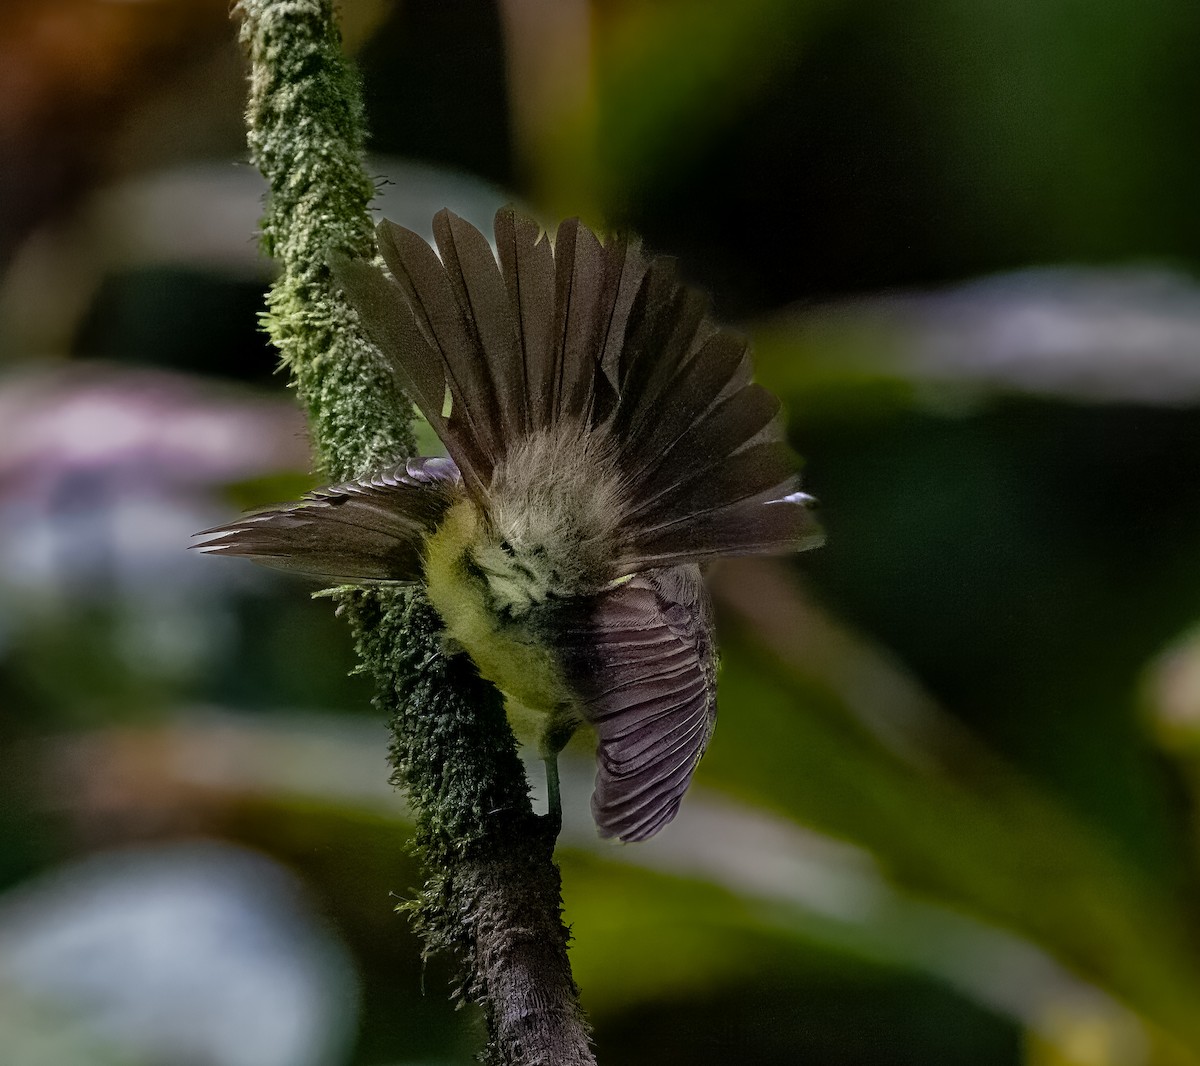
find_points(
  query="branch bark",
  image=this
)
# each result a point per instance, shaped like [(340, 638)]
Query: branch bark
[(493, 895)]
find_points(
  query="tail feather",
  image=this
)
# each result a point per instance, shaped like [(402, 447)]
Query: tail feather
[(771, 524), (654, 318), (579, 287), (746, 474), (600, 334), (627, 267), (527, 263), (688, 328), (426, 284), (387, 320), (688, 397), (499, 377), (726, 428)]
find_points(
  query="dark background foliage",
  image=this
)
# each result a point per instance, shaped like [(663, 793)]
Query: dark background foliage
[(949, 811)]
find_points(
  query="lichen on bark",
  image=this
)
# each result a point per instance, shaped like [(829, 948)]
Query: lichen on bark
[(492, 896)]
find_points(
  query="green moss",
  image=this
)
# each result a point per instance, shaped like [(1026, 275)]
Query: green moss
[(305, 123), (493, 896)]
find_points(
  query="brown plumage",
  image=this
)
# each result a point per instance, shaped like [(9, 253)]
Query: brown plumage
[(604, 439)]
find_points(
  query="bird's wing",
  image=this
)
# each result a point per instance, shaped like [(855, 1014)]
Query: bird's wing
[(642, 662), (360, 532)]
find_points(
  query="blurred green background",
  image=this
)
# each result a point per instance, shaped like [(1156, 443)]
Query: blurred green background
[(949, 812)]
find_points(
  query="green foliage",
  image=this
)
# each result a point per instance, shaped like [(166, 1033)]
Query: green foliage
[(672, 75), (1020, 831), (957, 825)]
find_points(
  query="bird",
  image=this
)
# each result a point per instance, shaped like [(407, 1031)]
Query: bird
[(605, 441)]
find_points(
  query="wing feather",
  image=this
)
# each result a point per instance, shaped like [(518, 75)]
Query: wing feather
[(370, 531), (644, 666)]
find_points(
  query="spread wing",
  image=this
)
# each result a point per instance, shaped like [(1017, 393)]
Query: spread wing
[(361, 532), (643, 663)]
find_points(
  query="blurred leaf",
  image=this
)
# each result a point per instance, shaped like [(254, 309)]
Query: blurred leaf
[(830, 732), (1122, 335), (1172, 696), (778, 985), (1080, 1031), (667, 79), (726, 896), (673, 75), (270, 489)]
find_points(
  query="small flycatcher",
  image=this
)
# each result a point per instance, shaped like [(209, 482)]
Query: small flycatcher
[(604, 440)]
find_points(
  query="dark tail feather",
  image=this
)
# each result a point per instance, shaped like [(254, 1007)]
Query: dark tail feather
[(702, 453), (517, 347), (390, 325), (721, 431), (651, 348), (527, 262), (626, 270), (727, 486), (495, 363), (774, 524), (756, 471), (674, 333), (361, 532), (688, 397), (426, 284), (582, 310)]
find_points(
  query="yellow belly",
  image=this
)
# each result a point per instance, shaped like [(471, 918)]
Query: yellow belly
[(525, 671)]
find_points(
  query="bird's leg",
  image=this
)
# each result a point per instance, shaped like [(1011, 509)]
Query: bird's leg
[(557, 732), (553, 815)]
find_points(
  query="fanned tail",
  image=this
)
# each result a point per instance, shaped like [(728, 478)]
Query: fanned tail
[(493, 352)]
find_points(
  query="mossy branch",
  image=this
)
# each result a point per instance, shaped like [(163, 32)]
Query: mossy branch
[(493, 893)]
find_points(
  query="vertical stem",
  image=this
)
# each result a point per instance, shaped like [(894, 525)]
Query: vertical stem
[(493, 895)]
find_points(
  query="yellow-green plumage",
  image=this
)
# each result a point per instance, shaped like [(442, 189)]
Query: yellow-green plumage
[(504, 651)]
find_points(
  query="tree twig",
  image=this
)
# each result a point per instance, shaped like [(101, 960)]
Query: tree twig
[(493, 894)]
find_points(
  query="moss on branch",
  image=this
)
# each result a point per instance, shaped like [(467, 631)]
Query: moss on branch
[(493, 896), (305, 130)]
